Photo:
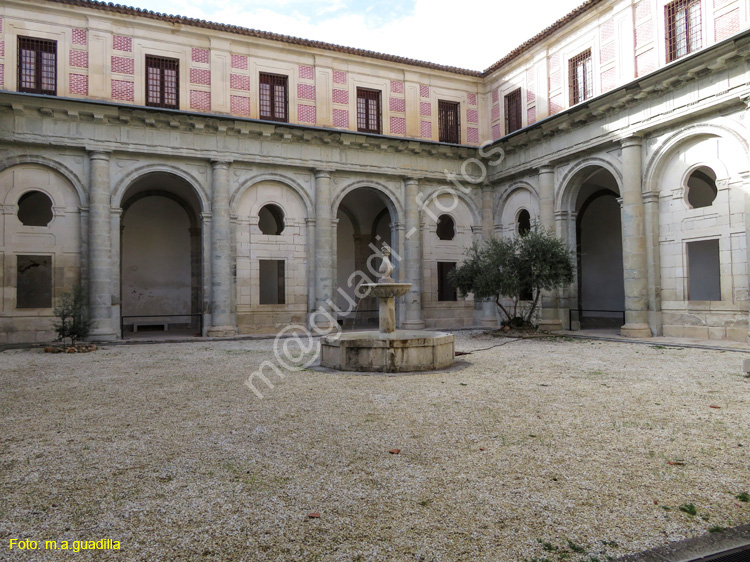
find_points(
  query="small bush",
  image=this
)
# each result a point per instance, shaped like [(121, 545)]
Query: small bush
[(73, 316), (688, 508)]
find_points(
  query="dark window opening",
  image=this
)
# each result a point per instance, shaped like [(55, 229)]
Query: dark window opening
[(34, 282), (446, 291), (162, 82), (271, 220), (272, 283), (513, 111), (581, 70), (37, 66), (702, 189), (524, 222), (274, 97), (683, 21), (449, 125), (368, 111), (704, 271), (446, 227), (35, 209)]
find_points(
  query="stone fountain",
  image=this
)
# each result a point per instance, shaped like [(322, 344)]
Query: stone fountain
[(388, 350)]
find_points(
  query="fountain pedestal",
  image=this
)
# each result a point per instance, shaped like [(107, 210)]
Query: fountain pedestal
[(389, 350)]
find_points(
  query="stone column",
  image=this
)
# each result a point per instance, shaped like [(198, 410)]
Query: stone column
[(310, 264), (653, 259), (746, 191), (100, 248), (221, 266), (488, 318), (413, 256), (323, 250), (550, 315), (634, 242)]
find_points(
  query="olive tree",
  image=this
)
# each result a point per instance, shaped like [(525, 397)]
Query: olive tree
[(513, 268), (73, 321)]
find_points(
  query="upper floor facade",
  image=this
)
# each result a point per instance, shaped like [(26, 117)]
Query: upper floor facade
[(90, 50)]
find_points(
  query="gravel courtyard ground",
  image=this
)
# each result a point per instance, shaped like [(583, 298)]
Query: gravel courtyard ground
[(556, 449)]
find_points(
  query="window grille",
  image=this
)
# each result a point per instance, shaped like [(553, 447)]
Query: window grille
[(581, 69), (683, 20), (368, 111), (274, 105), (448, 122), (37, 66), (513, 111), (162, 82)]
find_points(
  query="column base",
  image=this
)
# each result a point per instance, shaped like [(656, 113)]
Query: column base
[(413, 325), (221, 331), (103, 335), (635, 331), (550, 325)]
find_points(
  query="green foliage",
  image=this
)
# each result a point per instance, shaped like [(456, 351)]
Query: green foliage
[(509, 267), (744, 497), (73, 317), (688, 508)]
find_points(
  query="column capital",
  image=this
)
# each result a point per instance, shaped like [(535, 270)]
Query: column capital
[(95, 154), (546, 169), (323, 173), (488, 188), (411, 180), (632, 140), (219, 164), (651, 197)]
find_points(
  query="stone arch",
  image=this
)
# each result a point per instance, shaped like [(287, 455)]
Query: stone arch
[(516, 193), (71, 177), (474, 210), (292, 184), (663, 155), (575, 177), (391, 199), (123, 185)]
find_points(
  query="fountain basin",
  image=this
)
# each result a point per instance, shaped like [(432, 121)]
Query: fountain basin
[(401, 351), (387, 290)]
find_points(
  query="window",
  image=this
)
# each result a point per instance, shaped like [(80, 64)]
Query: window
[(702, 189), (368, 111), (704, 273), (162, 82), (34, 209), (34, 282), (446, 291), (523, 222), (683, 21), (271, 220), (273, 97), (581, 77), (446, 227), (448, 122), (513, 111), (272, 284), (37, 66)]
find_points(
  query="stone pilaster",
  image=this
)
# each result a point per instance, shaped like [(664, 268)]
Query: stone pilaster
[(221, 266), (550, 315), (100, 248), (634, 242), (653, 260), (413, 256), (746, 190), (323, 250)]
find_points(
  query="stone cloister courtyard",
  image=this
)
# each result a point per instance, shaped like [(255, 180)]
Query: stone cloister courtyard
[(538, 449)]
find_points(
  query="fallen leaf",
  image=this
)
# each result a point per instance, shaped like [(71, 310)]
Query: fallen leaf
[(394, 451), (314, 515), (482, 449), (676, 463), (715, 407)]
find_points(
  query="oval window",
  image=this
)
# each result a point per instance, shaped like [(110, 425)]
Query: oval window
[(446, 227), (35, 209), (271, 220)]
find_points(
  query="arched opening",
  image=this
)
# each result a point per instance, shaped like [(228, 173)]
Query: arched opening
[(271, 220), (523, 222), (701, 188), (446, 227), (364, 225), (601, 286), (35, 209), (161, 257)]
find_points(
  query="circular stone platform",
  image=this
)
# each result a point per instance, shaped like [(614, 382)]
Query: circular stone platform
[(401, 351)]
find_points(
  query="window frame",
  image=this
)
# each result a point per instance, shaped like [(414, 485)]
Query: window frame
[(365, 115), (163, 64), (446, 292), (513, 119), (38, 47), (691, 34), (583, 60), (273, 80), (449, 132)]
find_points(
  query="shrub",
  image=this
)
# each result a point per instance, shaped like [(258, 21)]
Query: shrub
[(73, 317)]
